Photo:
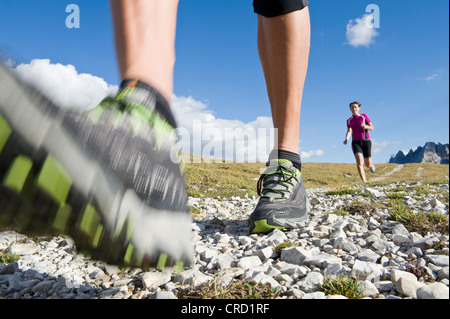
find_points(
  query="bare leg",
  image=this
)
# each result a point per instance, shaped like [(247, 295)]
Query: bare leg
[(283, 44), (368, 161), (145, 41), (360, 166)]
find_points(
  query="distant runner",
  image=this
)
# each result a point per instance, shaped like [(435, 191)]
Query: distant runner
[(359, 126)]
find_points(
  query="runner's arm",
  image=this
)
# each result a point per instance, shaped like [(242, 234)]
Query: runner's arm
[(347, 136), (368, 126), (367, 123)]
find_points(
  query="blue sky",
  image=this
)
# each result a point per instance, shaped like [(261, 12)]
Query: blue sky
[(400, 77)]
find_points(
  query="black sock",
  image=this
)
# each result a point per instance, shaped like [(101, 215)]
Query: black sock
[(293, 157)]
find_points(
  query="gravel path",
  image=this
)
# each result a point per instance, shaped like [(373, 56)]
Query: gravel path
[(381, 178), (389, 261)]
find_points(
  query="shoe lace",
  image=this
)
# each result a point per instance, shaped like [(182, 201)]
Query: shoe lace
[(269, 182)]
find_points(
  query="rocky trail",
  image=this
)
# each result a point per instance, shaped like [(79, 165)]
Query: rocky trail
[(347, 235)]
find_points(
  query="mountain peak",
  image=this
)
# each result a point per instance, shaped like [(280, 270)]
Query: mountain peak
[(429, 153)]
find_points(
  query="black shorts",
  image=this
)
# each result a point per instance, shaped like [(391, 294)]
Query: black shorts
[(364, 147), (273, 8)]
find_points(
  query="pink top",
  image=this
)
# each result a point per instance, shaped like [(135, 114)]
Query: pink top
[(358, 133)]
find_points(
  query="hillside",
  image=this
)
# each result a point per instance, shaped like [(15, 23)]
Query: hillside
[(223, 180)]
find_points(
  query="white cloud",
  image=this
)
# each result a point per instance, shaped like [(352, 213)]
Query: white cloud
[(305, 155), (64, 85), (434, 76), (385, 143), (203, 134), (200, 131), (360, 32), (378, 147)]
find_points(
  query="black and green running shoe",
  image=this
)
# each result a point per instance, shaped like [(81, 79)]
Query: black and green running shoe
[(109, 177), (283, 203)]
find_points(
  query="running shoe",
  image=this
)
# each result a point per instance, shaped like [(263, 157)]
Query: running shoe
[(109, 177), (283, 203), (372, 168)]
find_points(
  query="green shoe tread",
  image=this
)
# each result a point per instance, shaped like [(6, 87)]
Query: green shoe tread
[(5, 132), (261, 226)]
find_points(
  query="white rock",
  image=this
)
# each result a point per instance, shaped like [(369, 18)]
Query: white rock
[(438, 260), (294, 255), (193, 277), (374, 193), (384, 285), (321, 260), (261, 278), (443, 273), (163, 295), (425, 243), (400, 229), (408, 287), (249, 262), (266, 253), (414, 252), (366, 271), (397, 274), (283, 278), (310, 281), (153, 279), (294, 270), (400, 239), (433, 291), (335, 270), (28, 248), (314, 295), (338, 233), (368, 255), (368, 288), (208, 254), (223, 261), (435, 203), (276, 237)]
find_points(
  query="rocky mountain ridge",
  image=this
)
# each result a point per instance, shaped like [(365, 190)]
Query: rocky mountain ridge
[(429, 153)]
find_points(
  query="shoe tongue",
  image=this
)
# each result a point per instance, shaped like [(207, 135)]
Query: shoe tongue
[(133, 91), (273, 181), (285, 163), (273, 164)]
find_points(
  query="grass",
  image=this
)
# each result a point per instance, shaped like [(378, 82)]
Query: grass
[(340, 212), (224, 180), (421, 222), (283, 245), (235, 290), (344, 286), (361, 208), (6, 258), (346, 191), (221, 180)]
